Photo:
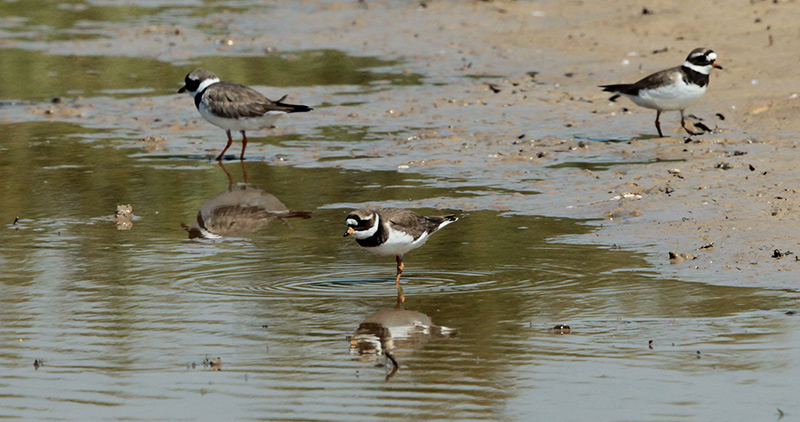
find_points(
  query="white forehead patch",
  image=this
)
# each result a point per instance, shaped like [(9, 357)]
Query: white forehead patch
[(712, 57), (351, 222)]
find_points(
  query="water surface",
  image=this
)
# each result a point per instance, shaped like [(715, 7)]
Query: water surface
[(122, 324), (123, 320)]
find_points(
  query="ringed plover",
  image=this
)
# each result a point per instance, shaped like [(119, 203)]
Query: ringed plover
[(393, 232), (233, 106), (672, 89)]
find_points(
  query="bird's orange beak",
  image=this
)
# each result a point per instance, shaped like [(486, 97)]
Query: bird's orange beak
[(349, 231), (716, 65)]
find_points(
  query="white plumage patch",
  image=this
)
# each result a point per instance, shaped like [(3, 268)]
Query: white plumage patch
[(205, 84), (676, 96), (444, 223), (399, 243), (247, 123), (205, 234), (705, 70), (365, 234)]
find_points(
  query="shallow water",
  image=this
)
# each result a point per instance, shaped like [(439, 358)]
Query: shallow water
[(123, 323), (125, 77), (120, 317)]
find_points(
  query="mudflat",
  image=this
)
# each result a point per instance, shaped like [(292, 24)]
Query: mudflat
[(530, 115), (729, 197)]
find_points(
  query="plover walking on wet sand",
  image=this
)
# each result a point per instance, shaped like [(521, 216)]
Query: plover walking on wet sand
[(393, 232), (672, 89), (233, 106)]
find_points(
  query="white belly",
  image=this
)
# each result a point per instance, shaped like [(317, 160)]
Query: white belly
[(249, 123), (398, 244), (667, 98)]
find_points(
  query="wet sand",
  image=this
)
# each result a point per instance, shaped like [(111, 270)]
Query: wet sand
[(531, 102)]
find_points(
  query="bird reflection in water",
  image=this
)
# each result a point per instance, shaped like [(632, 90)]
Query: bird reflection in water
[(239, 210), (394, 332)]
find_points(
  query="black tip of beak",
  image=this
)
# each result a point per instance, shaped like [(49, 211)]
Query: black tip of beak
[(717, 66), (346, 234), (182, 90)]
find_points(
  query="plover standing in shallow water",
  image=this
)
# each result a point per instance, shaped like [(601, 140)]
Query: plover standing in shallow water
[(233, 106), (672, 89), (393, 232)]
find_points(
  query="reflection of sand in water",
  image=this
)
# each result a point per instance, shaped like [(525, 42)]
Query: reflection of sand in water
[(394, 332), (239, 210)]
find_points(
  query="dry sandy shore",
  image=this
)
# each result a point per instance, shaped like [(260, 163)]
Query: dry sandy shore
[(735, 187)]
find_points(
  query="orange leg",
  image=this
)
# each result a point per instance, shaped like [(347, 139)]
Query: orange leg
[(244, 145), (244, 172), (230, 141), (401, 297), (227, 173)]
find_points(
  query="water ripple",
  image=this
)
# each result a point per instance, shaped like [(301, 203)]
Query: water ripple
[(355, 282)]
